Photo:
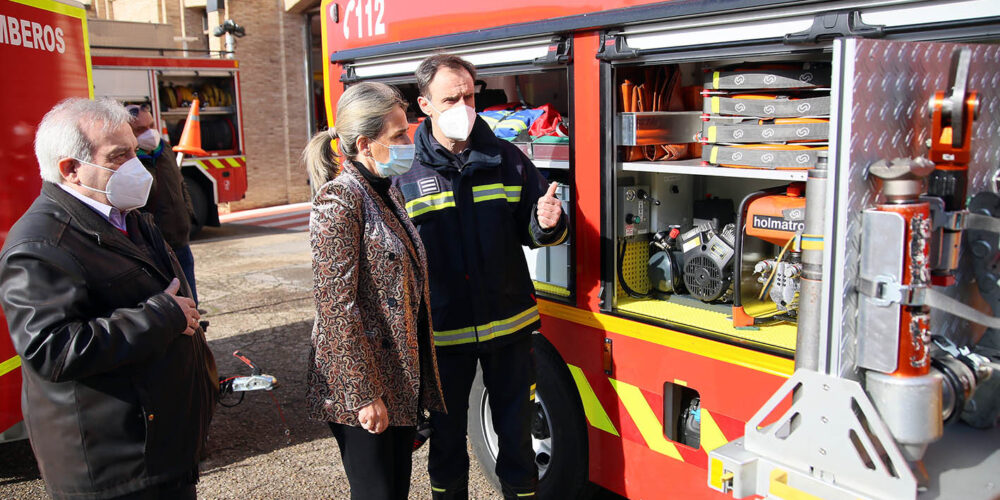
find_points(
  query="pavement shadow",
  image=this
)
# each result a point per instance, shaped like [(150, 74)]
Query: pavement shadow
[(17, 463), (257, 426), (232, 231)]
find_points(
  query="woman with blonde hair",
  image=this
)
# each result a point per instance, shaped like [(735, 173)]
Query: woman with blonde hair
[(373, 370)]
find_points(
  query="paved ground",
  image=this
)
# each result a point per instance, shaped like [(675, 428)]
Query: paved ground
[(255, 283)]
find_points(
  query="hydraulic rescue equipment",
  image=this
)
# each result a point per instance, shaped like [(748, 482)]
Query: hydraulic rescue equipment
[(915, 380), (774, 220)]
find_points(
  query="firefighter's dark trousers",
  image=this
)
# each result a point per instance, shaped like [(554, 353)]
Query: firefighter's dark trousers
[(509, 377)]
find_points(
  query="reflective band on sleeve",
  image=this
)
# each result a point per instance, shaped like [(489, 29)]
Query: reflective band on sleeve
[(488, 331), (10, 365), (522, 495), (498, 191), (431, 202), (438, 490)]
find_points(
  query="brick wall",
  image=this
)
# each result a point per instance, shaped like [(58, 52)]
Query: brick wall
[(272, 71), (273, 87)]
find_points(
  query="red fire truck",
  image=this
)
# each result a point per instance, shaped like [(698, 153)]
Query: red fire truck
[(168, 85), (43, 46), (753, 215)]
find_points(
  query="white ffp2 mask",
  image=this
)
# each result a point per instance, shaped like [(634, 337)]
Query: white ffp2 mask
[(456, 122), (128, 187)]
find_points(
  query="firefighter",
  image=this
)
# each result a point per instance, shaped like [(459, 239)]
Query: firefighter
[(476, 200)]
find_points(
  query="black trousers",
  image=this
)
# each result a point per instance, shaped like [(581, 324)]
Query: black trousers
[(509, 377), (378, 465)]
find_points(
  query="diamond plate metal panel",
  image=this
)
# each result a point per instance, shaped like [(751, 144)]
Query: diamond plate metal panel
[(889, 85)]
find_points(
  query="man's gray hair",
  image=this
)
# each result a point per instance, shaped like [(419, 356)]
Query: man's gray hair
[(61, 132)]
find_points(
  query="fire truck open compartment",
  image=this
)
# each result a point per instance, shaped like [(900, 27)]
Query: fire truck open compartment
[(219, 119), (676, 213), (517, 85)]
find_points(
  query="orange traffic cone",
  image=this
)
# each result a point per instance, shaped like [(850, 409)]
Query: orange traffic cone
[(190, 142)]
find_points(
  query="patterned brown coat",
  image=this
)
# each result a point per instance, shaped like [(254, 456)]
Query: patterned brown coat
[(367, 294)]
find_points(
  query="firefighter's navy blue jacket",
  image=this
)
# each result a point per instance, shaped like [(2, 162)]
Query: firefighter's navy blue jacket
[(474, 211)]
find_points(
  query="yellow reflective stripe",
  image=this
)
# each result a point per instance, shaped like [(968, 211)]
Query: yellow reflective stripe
[(233, 162), (592, 408), (512, 324), (658, 335), (531, 393), (644, 418), (10, 365), (711, 133), (715, 79), (438, 490), (216, 163), (522, 495), (496, 192), (711, 435), (436, 201), (513, 193), (714, 156), (495, 196), (715, 104), (485, 187), (489, 331)]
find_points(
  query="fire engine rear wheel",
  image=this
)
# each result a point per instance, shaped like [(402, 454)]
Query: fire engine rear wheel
[(560, 450), (199, 200)]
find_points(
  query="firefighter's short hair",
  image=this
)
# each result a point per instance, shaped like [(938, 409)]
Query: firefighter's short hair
[(430, 66)]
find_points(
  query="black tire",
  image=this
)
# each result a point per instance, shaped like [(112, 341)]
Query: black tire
[(563, 470), (199, 200)]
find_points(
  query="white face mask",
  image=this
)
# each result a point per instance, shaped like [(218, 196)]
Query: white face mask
[(149, 139), (128, 187), (456, 122)]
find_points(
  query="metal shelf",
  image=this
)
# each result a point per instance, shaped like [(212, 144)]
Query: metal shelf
[(208, 110), (694, 167), (553, 164)]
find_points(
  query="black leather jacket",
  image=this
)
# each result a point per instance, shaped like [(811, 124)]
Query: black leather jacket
[(115, 398)]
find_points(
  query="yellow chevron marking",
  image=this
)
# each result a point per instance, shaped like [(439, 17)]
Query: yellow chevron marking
[(711, 435), (233, 162), (644, 418), (216, 163), (9, 365), (596, 415)]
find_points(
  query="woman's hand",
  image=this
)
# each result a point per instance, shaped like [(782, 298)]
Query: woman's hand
[(374, 418)]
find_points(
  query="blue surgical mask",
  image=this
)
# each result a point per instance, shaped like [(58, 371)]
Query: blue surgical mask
[(400, 159)]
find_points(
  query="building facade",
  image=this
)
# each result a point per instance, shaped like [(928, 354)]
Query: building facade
[(278, 58)]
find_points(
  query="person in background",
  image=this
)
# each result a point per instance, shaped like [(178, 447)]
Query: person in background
[(169, 200), (119, 384), (476, 200), (372, 371)]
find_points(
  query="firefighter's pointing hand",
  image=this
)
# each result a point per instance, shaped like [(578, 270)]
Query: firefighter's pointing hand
[(549, 208)]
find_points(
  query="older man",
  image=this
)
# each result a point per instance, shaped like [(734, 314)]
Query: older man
[(119, 383), (169, 201)]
